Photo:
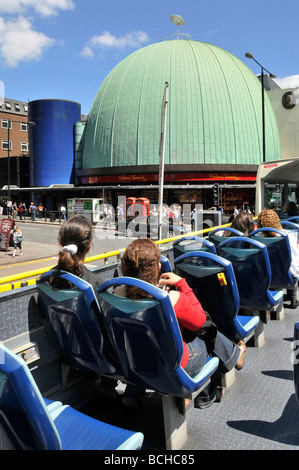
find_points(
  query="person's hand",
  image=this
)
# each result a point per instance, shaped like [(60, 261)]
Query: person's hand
[(169, 279)]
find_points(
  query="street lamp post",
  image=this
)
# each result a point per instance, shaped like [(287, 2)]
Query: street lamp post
[(8, 161), (250, 56)]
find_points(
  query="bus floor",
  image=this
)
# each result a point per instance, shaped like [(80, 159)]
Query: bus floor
[(258, 412)]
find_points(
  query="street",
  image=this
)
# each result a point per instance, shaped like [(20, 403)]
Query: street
[(40, 247)]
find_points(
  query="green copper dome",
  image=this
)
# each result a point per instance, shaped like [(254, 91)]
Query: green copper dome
[(214, 112)]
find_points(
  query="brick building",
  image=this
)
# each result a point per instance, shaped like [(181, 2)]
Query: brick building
[(14, 127)]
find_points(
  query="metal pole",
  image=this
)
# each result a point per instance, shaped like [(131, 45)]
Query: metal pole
[(263, 115), (162, 157), (8, 162)]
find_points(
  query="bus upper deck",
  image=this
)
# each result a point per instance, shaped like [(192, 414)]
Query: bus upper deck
[(259, 410)]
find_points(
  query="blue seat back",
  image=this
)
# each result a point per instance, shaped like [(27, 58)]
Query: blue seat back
[(252, 270), (146, 335), (217, 239), (294, 219), (192, 243), (23, 413), (290, 225), (213, 282), (279, 252), (296, 359), (77, 324)]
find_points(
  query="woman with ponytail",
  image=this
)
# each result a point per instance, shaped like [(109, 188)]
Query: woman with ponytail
[(75, 239)]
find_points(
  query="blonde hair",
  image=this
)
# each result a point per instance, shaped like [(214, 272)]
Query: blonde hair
[(269, 218)]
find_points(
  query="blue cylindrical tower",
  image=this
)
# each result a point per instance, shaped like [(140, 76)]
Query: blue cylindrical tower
[(52, 141)]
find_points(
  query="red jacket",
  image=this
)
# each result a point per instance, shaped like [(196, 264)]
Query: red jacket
[(189, 313)]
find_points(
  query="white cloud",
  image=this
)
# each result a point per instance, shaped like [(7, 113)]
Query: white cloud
[(19, 42), (87, 52), (42, 7), (109, 41), (135, 39), (288, 82)]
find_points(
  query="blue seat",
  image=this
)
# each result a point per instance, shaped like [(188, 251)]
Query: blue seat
[(252, 270), (279, 252), (75, 320), (30, 422), (213, 281), (290, 225), (192, 243), (296, 359), (217, 239), (165, 264), (294, 219), (146, 335)]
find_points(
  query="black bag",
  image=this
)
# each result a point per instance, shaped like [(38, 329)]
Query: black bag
[(207, 333)]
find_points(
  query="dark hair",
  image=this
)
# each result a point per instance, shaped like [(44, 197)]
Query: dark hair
[(242, 222), (75, 231), (141, 260), (290, 207)]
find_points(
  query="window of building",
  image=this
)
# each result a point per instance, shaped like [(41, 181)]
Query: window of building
[(5, 145), (17, 107), (4, 124), (26, 108), (24, 126), (24, 146), (8, 105)]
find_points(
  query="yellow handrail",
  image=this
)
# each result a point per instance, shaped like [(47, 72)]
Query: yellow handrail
[(7, 283)]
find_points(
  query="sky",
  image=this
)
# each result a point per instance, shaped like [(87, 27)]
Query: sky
[(64, 49)]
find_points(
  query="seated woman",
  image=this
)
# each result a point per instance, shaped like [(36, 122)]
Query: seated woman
[(75, 239), (269, 218), (243, 222), (142, 260)]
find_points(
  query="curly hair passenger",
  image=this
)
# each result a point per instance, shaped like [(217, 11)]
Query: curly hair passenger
[(269, 218)]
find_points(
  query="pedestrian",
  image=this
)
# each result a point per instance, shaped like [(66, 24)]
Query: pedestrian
[(17, 240), (15, 210), (62, 214), (32, 210), (20, 210), (40, 210), (24, 211)]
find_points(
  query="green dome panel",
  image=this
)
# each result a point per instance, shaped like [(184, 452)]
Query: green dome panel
[(214, 113)]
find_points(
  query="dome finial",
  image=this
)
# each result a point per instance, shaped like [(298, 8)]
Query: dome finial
[(178, 21)]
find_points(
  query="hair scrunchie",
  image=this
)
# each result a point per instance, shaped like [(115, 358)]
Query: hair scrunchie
[(72, 249)]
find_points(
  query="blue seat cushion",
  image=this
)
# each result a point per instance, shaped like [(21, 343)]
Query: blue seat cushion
[(79, 431)]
